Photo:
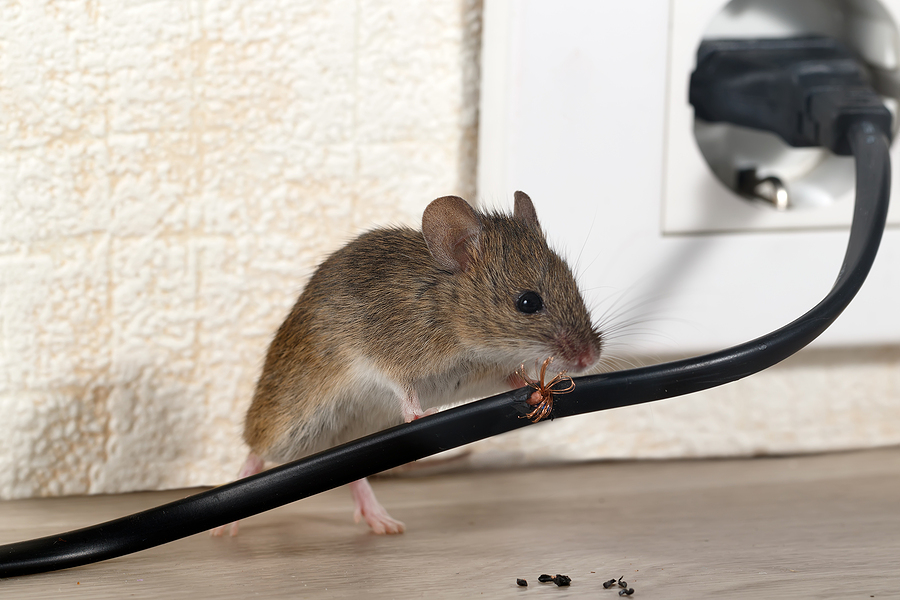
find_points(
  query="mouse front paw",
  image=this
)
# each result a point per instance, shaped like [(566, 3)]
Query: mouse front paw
[(424, 413)]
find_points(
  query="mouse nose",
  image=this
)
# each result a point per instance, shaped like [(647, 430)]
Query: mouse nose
[(586, 358), (579, 355)]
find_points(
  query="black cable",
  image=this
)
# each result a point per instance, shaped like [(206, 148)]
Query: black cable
[(483, 418)]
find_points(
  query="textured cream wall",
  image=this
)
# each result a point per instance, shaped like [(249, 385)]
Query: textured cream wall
[(170, 173)]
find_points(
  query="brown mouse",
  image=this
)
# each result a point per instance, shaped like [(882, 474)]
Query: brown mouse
[(399, 322)]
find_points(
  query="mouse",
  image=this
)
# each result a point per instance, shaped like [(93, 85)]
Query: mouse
[(399, 322)]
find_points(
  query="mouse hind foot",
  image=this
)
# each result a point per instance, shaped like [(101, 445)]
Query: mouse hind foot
[(368, 508), (366, 504), (253, 465)]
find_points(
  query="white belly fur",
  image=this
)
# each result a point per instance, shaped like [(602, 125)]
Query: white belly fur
[(369, 401)]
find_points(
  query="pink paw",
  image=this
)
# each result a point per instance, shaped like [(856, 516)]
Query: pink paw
[(368, 508), (379, 521), (252, 466), (424, 413), (220, 530), (516, 381)]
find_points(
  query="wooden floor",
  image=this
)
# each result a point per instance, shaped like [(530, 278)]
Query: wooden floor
[(805, 527)]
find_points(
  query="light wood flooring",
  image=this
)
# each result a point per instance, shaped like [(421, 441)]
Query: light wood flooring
[(825, 526)]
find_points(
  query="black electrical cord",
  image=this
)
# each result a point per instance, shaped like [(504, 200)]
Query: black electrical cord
[(483, 418)]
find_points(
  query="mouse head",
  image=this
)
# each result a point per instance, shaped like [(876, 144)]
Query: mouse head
[(514, 299)]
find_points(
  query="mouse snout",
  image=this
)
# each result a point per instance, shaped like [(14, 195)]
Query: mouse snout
[(577, 355), (586, 359)]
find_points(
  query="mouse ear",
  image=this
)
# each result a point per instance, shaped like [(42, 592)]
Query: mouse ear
[(450, 226), (524, 209)]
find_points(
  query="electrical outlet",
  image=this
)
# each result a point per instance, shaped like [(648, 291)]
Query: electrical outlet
[(584, 106), (819, 184)]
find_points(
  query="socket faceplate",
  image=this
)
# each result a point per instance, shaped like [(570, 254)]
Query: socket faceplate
[(584, 107), (820, 184)]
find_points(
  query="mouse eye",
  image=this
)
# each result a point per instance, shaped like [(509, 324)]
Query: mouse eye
[(529, 302)]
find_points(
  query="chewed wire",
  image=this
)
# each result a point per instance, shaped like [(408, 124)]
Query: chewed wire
[(542, 397)]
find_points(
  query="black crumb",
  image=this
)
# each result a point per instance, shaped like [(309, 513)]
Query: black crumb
[(521, 582), (622, 584), (560, 580), (609, 584), (627, 592)]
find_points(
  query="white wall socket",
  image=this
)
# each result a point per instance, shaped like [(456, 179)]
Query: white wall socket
[(584, 106), (821, 184)]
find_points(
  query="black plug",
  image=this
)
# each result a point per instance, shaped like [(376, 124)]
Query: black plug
[(808, 90)]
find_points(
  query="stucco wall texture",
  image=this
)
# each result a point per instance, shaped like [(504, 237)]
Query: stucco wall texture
[(171, 171)]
